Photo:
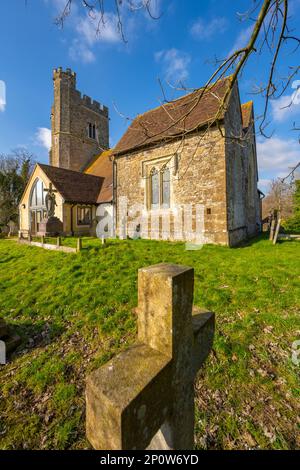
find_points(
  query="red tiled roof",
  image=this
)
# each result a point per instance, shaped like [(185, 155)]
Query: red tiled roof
[(74, 186), (103, 166), (171, 119)]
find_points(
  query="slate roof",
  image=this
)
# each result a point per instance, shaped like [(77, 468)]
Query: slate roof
[(74, 186), (167, 121)]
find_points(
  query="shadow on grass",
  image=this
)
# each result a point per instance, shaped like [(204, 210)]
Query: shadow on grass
[(34, 335), (8, 258), (252, 241)]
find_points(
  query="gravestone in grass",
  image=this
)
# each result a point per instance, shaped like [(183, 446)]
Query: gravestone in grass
[(144, 397)]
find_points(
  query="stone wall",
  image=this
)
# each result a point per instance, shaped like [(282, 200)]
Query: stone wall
[(235, 173), (241, 175), (197, 177), (253, 204), (71, 114)]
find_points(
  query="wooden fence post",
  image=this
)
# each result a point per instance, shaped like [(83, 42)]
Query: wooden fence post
[(79, 244)]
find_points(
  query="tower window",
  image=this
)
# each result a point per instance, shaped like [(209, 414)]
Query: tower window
[(92, 131)]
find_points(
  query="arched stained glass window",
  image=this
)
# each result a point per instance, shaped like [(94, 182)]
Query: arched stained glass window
[(154, 175), (166, 187)]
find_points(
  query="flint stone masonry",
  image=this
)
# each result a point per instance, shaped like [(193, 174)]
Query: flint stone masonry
[(144, 397)]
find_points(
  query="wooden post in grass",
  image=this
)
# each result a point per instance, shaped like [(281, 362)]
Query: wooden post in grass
[(79, 244), (58, 242), (29, 236), (144, 397), (272, 229), (277, 231), (42, 239)]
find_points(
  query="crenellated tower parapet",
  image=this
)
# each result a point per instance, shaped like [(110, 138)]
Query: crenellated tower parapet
[(80, 125)]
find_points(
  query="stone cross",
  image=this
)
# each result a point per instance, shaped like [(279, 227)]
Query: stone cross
[(144, 397)]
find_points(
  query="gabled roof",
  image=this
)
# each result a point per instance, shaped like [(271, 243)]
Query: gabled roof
[(74, 186), (103, 166), (247, 113), (171, 119)]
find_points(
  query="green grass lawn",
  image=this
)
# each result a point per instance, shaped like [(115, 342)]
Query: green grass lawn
[(75, 311)]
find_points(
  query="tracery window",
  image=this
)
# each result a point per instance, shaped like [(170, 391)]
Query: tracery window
[(154, 188), (160, 187), (37, 195)]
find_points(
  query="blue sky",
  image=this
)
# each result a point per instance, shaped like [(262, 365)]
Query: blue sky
[(182, 44)]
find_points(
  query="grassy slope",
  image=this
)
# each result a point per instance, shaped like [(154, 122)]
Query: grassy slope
[(75, 311)]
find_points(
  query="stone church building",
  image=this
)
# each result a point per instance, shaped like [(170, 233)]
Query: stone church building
[(172, 159)]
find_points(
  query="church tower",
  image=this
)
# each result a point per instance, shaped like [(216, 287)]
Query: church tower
[(79, 125)]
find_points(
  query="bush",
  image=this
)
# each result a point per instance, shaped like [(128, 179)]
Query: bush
[(292, 225)]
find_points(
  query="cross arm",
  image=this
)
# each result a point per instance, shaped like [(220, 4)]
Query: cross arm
[(203, 329), (128, 399)]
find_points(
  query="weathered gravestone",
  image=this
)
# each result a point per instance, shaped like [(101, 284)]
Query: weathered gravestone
[(144, 397)]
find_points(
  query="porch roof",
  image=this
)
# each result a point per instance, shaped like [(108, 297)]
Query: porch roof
[(74, 187)]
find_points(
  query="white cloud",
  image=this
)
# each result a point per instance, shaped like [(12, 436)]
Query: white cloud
[(175, 64), (88, 36), (2, 96), (108, 30), (43, 137), (202, 29), (287, 106), (263, 184), (276, 156), (79, 51), (241, 40)]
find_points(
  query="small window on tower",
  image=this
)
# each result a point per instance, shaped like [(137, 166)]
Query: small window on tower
[(92, 131)]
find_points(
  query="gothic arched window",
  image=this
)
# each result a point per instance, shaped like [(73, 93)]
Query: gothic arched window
[(37, 195), (165, 193), (154, 179), (37, 208)]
